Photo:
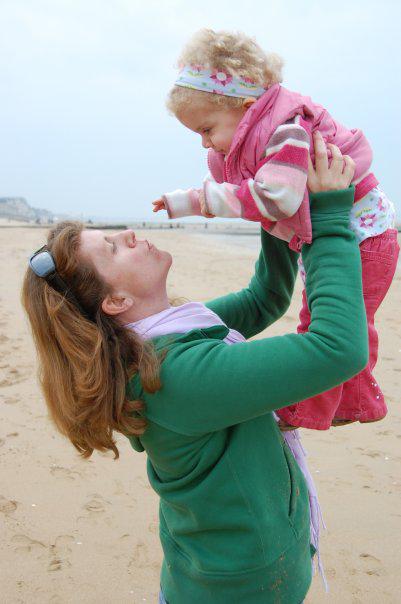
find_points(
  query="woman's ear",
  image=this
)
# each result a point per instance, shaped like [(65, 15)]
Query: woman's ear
[(248, 102), (115, 305)]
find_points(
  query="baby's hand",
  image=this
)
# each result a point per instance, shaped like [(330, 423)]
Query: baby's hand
[(202, 204), (159, 204)]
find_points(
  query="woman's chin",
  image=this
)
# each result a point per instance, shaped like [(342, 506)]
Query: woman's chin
[(164, 259), (167, 257)]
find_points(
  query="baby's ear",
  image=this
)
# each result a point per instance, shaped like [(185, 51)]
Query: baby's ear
[(248, 102)]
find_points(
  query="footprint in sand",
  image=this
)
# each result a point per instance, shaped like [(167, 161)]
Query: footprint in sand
[(373, 454), (375, 565), (12, 375), (59, 552), (119, 488), (7, 506), (10, 400), (140, 559), (61, 472), (25, 544), (55, 564), (96, 505), (365, 471)]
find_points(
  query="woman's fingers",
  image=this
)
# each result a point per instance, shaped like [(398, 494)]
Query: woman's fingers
[(328, 177), (337, 161), (336, 154), (321, 160), (349, 169), (311, 175), (311, 167)]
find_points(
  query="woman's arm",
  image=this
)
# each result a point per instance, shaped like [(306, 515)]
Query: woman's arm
[(267, 296), (209, 385)]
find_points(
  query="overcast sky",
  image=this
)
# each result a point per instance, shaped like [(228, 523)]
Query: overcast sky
[(83, 124)]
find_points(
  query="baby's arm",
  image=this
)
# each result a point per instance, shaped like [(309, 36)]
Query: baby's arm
[(276, 191), (180, 203)]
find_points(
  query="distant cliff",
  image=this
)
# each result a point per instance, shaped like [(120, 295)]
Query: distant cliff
[(17, 208)]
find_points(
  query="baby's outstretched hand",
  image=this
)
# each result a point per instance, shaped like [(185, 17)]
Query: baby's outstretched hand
[(159, 204)]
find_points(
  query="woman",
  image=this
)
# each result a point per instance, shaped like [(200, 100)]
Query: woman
[(234, 512)]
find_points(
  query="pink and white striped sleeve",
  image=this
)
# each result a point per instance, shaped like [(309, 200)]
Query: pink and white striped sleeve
[(182, 202), (278, 187)]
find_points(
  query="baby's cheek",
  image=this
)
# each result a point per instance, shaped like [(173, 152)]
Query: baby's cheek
[(228, 139)]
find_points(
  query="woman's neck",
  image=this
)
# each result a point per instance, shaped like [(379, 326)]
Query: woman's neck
[(141, 309)]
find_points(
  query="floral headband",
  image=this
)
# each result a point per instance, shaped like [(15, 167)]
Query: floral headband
[(217, 82)]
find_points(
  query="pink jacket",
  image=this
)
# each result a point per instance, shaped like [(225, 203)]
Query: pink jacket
[(248, 154), (275, 107)]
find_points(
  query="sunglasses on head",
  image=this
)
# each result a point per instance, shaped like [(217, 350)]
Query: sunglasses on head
[(43, 265)]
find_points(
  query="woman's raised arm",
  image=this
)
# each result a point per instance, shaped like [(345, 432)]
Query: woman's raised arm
[(268, 294), (211, 386), (270, 290)]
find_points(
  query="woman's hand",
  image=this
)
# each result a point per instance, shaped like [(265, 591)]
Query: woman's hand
[(325, 177)]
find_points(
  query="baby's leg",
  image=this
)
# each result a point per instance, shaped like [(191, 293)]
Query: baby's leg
[(359, 399), (362, 398)]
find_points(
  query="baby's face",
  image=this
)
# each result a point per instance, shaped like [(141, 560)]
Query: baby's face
[(216, 125)]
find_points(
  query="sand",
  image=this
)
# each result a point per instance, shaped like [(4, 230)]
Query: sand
[(86, 531)]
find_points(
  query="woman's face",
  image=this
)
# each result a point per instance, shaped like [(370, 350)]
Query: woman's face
[(130, 266)]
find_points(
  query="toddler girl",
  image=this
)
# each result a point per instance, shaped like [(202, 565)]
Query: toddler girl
[(258, 135)]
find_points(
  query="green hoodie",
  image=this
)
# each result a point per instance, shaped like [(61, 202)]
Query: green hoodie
[(234, 512)]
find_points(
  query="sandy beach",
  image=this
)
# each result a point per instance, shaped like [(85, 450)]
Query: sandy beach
[(77, 531)]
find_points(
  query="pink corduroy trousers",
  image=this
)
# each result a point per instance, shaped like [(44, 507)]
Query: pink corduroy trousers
[(359, 399)]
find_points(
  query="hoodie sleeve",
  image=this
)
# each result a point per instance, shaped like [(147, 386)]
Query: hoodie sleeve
[(209, 385), (268, 294)]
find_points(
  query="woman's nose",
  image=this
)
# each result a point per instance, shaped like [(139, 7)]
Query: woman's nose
[(129, 237)]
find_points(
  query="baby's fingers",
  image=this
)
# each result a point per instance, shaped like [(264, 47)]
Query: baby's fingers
[(158, 206)]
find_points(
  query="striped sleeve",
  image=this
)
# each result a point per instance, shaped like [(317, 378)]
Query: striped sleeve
[(182, 202), (278, 187)]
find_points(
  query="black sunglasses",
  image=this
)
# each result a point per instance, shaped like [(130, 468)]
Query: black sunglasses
[(43, 265)]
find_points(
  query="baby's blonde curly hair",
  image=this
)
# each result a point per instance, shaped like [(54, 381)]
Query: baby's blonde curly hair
[(231, 52)]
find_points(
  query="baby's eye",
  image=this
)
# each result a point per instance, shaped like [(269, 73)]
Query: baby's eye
[(206, 130)]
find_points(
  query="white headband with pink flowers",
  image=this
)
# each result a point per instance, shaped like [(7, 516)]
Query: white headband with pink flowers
[(217, 82)]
